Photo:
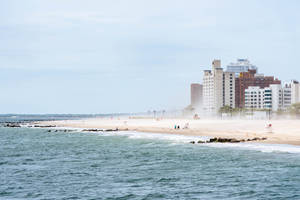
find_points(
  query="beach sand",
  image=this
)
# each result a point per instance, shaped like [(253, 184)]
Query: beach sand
[(281, 132)]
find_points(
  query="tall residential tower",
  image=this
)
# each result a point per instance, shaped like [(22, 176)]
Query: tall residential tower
[(218, 88)]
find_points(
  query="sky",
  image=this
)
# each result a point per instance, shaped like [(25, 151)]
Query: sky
[(116, 56)]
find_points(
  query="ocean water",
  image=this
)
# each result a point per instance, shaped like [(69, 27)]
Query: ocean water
[(36, 164)]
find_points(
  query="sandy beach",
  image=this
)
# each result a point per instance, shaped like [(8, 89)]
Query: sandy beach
[(281, 132)]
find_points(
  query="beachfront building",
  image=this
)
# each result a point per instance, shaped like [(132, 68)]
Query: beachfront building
[(247, 79), (196, 95), (218, 88), (275, 97), (242, 65), (254, 98), (295, 91)]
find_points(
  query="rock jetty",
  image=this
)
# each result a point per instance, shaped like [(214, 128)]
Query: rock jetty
[(101, 130), (12, 125), (60, 130), (228, 140), (43, 126)]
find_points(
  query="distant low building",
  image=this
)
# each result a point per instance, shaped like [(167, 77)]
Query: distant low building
[(196, 95), (254, 97), (275, 97)]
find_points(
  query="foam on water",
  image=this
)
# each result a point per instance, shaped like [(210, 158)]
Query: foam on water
[(180, 139), (177, 139), (284, 148), (132, 165), (159, 136)]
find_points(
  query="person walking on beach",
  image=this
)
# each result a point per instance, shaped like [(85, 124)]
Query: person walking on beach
[(269, 128), (186, 126)]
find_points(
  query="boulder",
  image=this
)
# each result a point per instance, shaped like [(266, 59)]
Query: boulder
[(12, 125), (44, 126), (233, 140), (213, 140), (92, 130)]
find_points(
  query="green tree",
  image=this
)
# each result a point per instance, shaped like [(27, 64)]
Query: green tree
[(295, 109), (225, 109)]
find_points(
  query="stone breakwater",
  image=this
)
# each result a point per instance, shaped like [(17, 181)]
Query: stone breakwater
[(211, 140), (228, 140)]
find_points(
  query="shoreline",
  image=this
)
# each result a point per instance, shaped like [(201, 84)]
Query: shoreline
[(281, 132)]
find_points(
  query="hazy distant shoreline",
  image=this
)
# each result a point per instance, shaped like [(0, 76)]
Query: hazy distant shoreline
[(281, 132)]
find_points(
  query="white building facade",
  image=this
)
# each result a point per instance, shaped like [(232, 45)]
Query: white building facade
[(254, 98), (218, 88), (274, 97), (295, 91)]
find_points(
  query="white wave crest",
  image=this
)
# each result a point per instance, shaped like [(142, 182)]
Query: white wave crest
[(176, 139)]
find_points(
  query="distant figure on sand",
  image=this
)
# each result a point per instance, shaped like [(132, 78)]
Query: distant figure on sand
[(196, 116), (269, 128), (186, 126), (177, 127)]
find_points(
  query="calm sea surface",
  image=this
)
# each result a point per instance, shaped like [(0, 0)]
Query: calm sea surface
[(36, 164)]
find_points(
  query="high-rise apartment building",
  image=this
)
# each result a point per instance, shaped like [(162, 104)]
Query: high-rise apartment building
[(218, 88), (196, 95), (250, 78)]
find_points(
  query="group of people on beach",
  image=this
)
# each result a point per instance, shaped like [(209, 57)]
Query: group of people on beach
[(176, 127), (186, 126)]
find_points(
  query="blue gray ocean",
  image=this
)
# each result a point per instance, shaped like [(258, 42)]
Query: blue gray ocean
[(36, 164)]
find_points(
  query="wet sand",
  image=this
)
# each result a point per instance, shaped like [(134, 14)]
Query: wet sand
[(281, 132)]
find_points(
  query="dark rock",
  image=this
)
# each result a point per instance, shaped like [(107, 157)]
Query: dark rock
[(110, 130), (192, 142), (264, 138), (12, 125), (93, 130), (61, 130), (213, 139), (222, 140), (233, 140), (44, 126), (201, 142)]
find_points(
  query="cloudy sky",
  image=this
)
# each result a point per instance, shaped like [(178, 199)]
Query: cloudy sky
[(105, 56)]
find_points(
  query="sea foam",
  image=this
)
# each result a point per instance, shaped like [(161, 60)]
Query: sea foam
[(180, 139), (177, 139)]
